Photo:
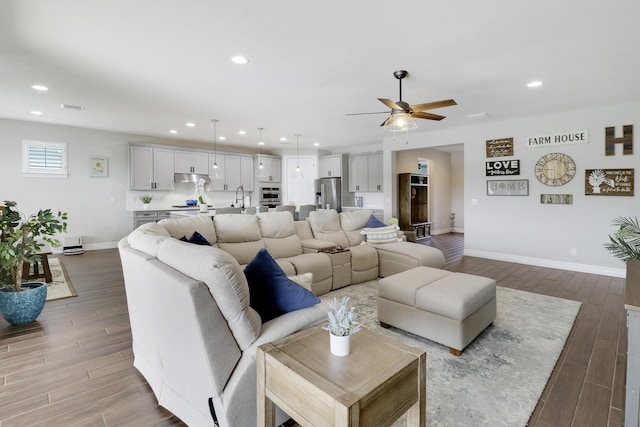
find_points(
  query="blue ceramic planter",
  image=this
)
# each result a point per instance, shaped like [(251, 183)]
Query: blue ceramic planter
[(20, 308)]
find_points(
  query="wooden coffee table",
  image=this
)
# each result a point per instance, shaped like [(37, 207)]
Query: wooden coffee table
[(374, 385)]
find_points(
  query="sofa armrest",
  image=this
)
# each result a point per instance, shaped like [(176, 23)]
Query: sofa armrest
[(314, 245)]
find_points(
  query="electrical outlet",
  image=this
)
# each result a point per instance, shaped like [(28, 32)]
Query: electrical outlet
[(573, 252)]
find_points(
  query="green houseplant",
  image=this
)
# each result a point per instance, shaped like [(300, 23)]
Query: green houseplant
[(625, 243), (20, 240)]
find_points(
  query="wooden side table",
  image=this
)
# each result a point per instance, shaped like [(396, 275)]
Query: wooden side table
[(46, 271), (375, 384)]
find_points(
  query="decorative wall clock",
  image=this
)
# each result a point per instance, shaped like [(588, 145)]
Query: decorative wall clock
[(555, 169)]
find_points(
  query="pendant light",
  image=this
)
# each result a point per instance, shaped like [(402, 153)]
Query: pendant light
[(297, 173), (217, 172), (261, 172)]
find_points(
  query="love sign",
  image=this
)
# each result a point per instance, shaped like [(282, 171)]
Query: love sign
[(503, 167)]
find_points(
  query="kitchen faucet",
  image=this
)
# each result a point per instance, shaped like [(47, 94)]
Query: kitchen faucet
[(241, 188)]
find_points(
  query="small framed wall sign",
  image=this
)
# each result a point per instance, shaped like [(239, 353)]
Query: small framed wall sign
[(556, 199), (502, 147), (609, 182), (502, 168), (508, 187), (99, 167)]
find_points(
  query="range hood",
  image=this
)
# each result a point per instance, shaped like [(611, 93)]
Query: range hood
[(191, 177)]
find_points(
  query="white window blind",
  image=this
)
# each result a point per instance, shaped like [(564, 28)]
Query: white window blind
[(40, 157)]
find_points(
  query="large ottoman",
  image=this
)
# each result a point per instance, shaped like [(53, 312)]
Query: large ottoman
[(445, 307)]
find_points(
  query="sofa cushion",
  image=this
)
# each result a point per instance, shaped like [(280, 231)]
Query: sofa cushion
[(325, 225), (374, 222), (196, 238), (239, 234), (147, 238), (305, 280), (225, 280), (352, 223), (381, 235), (179, 227), (272, 293), (279, 234)]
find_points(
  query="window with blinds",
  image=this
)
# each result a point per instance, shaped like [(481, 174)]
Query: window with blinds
[(41, 157)]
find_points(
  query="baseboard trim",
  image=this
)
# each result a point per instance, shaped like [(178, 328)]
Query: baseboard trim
[(90, 247), (540, 262)]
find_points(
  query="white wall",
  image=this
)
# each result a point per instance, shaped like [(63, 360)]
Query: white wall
[(520, 229), (457, 189)]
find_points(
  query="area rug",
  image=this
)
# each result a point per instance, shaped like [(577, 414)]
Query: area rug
[(60, 286), (498, 379)]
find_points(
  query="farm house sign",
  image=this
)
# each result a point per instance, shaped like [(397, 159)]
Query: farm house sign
[(561, 138)]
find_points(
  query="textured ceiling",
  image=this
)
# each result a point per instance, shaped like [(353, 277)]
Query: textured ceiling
[(148, 66)]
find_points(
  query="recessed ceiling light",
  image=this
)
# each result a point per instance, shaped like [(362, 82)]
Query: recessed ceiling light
[(240, 60), (315, 144), (36, 113), (261, 143), (242, 132), (482, 115), (534, 83), (190, 124), (222, 138), (41, 88), (173, 131), (283, 139)]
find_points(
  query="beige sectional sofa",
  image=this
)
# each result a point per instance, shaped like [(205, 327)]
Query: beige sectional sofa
[(194, 332)]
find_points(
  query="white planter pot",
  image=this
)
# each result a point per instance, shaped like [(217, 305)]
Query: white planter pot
[(204, 207), (145, 206), (340, 346)]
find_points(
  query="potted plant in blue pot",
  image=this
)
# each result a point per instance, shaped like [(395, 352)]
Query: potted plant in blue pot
[(20, 240), (625, 245)]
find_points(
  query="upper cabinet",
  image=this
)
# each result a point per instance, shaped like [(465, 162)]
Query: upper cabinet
[(365, 172), (191, 162), (236, 170), (330, 166), (151, 168), (375, 172), (272, 167)]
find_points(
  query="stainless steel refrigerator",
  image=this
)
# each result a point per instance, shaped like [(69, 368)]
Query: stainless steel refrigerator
[(329, 192)]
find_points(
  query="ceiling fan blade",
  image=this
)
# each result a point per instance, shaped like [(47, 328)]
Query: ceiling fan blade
[(429, 116), (362, 114), (386, 121), (389, 103), (432, 105)]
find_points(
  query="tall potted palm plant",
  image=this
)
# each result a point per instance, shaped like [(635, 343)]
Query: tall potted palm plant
[(20, 240), (625, 244)]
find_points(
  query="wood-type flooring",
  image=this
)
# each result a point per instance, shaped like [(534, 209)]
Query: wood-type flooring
[(74, 366)]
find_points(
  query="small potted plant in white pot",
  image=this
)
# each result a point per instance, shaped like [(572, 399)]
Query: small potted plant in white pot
[(342, 324), (20, 239), (146, 199)]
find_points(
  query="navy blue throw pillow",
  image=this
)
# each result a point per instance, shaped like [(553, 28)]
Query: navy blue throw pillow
[(197, 239), (271, 293), (374, 223)]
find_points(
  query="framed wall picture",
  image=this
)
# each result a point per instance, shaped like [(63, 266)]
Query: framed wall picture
[(99, 167), (502, 147), (609, 182), (556, 199), (508, 187)]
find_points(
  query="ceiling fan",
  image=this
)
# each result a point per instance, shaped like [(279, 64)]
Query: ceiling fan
[(402, 113)]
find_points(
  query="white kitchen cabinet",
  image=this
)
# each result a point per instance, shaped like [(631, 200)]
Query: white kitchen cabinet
[(231, 168), (365, 172), (273, 168), (191, 162), (330, 166), (375, 172), (246, 170), (151, 168), (359, 173)]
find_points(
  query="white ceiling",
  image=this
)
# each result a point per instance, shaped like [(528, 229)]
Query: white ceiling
[(148, 66)]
